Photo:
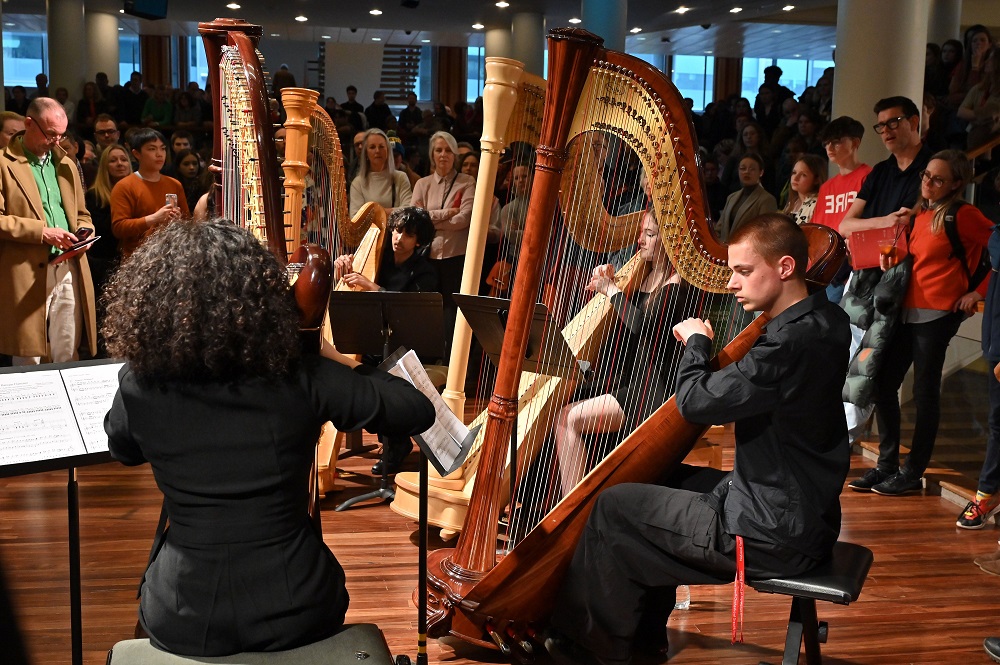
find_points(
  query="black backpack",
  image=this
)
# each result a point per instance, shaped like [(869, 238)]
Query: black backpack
[(983, 266)]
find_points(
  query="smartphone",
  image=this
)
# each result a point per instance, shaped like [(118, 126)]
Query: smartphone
[(83, 233), (171, 200)]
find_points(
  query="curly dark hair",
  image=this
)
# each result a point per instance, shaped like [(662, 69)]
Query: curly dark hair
[(201, 302)]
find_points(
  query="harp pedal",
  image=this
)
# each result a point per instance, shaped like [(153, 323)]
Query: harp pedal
[(498, 640), (525, 645)]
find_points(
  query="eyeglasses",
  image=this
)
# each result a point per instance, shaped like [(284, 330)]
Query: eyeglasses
[(890, 124), (50, 135), (105, 132), (935, 180)]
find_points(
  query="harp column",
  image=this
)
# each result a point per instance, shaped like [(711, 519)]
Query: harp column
[(874, 62)]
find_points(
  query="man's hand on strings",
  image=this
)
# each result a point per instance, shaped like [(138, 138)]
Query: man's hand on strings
[(343, 266), (688, 327)]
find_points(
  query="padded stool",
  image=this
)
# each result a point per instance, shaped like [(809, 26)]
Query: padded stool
[(839, 580), (354, 643)]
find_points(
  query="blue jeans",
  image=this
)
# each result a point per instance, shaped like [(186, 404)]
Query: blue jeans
[(989, 477), (923, 345)]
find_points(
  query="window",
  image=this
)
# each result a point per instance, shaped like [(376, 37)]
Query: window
[(128, 55), (197, 62), (796, 74), (476, 72), (694, 76), (24, 56)]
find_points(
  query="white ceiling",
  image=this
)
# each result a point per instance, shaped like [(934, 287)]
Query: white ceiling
[(756, 31)]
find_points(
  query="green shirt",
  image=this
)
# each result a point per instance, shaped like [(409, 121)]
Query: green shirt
[(44, 170)]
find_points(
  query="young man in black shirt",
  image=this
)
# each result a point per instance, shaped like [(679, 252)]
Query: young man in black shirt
[(780, 505)]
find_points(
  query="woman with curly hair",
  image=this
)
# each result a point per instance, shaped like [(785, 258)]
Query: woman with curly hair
[(218, 398)]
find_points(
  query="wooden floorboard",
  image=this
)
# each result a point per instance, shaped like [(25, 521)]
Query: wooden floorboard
[(925, 601)]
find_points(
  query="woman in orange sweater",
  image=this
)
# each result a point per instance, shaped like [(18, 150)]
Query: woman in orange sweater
[(937, 299)]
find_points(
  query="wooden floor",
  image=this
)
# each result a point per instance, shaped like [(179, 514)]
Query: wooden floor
[(925, 601)]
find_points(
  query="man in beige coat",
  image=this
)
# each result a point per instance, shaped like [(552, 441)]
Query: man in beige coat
[(44, 307)]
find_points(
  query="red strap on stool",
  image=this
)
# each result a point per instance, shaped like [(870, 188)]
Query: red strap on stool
[(738, 590)]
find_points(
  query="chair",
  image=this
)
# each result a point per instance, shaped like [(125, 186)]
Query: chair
[(838, 580)]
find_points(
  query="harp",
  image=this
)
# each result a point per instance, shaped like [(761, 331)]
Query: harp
[(512, 114), (474, 594)]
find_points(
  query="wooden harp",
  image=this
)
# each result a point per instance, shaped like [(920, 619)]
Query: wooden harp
[(473, 595)]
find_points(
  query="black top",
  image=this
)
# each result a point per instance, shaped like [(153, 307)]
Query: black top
[(792, 452), (107, 247), (415, 274), (241, 568), (887, 188)]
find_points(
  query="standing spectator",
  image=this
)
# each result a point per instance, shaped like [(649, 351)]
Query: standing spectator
[(105, 131), (767, 110), (399, 161), (936, 76), (187, 112), (45, 307), (808, 174), (981, 107), (888, 194), (354, 164), (377, 179), (979, 41), (772, 79), (106, 90), (41, 86), (18, 102), (750, 140), (354, 108), (713, 186), (195, 179), (749, 201), (158, 110), (282, 78), (447, 195), (62, 96), (71, 144), (379, 114), (131, 100), (139, 202), (409, 118), (787, 128), (113, 167), (10, 124), (952, 54), (179, 140), (937, 300), (90, 106)]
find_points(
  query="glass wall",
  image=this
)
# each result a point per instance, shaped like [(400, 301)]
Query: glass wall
[(694, 76), (476, 69), (796, 74), (128, 55), (25, 54), (197, 61)]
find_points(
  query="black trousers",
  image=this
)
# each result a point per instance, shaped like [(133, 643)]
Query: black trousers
[(640, 543)]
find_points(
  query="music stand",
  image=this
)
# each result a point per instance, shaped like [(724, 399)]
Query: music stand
[(413, 320), (547, 352)]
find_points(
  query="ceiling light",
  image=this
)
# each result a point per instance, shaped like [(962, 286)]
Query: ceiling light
[(575, 20), (635, 31), (503, 5), (275, 34), (425, 41), (478, 26), (708, 53), (788, 8), (376, 12), (735, 10), (376, 39), (301, 19), (121, 29), (121, 11), (325, 36), (797, 55), (776, 31), (682, 10), (9, 25), (233, 5)]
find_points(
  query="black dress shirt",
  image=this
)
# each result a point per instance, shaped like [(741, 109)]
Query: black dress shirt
[(792, 452)]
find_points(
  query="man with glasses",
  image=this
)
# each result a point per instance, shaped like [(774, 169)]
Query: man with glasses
[(44, 304), (884, 200), (105, 132)]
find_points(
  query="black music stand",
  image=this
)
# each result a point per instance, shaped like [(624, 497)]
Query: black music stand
[(372, 322), (547, 352)]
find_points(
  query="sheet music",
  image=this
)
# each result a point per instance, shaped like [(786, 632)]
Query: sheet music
[(91, 390), (36, 419), (447, 433)]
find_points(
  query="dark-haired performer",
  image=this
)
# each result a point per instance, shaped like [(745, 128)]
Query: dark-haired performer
[(217, 398), (782, 497)]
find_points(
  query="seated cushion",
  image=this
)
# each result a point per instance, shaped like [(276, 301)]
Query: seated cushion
[(838, 580)]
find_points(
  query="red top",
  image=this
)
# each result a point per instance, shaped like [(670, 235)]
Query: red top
[(938, 281), (836, 196)]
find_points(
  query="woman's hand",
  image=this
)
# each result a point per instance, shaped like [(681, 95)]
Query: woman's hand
[(967, 303), (343, 266), (357, 280), (603, 280), (329, 351)]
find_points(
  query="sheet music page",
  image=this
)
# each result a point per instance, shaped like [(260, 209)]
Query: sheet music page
[(91, 390), (36, 419), (446, 434)]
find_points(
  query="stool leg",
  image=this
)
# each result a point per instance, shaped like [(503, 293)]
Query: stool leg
[(802, 626)]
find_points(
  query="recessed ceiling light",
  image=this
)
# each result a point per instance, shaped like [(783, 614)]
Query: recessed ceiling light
[(635, 31), (682, 10), (708, 53), (788, 8), (478, 26), (275, 34), (776, 31), (325, 36), (376, 39), (233, 5), (641, 39), (735, 10), (425, 41), (9, 25), (797, 55), (119, 29), (121, 11), (301, 19), (503, 5), (575, 20), (376, 12)]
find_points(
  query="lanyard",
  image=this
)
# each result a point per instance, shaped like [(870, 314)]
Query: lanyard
[(739, 589), (444, 198)]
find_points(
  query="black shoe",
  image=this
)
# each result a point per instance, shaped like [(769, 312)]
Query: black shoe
[(898, 485), (565, 651), (382, 468), (992, 647), (871, 478)]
